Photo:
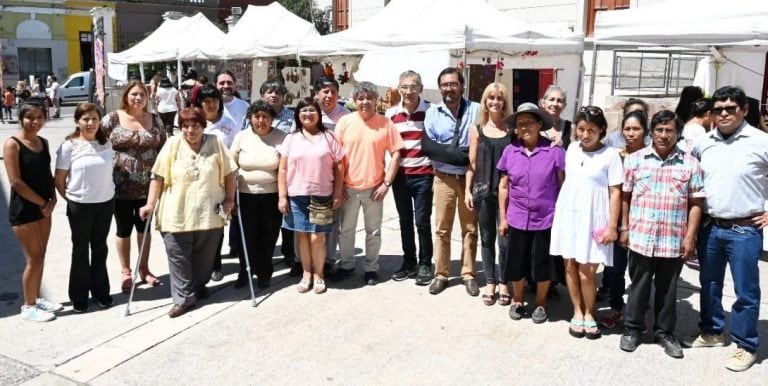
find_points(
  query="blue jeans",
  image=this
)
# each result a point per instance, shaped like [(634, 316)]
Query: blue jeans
[(739, 247), (613, 277), (413, 200)]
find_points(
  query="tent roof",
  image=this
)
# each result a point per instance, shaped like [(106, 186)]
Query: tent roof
[(267, 31), (706, 23), (428, 25), (188, 38)]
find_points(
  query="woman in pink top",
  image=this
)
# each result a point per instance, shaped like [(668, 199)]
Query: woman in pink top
[(310, 170)]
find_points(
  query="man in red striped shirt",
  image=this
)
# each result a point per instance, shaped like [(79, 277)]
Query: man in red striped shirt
[(412, 186)]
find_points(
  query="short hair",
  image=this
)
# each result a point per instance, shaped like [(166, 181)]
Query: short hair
[(735, 94), (131, 84), (165, 82), (410, 74), (484, 115), (304, 102), (273, 85), (53, 78), (594, 115), (260, 106), (225, 72), (634, 101), (666, 116), (82, 109), (191, 74), (27, 108), (192, 115), (451, 70), (688, 96), (325, 82), (209, 91), (554, 88), (365, 88), (202, 79), (700, 108), (641, 117)]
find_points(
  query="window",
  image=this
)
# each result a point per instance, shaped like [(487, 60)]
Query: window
[(601, 5), (34, 61), (341, 15), (652, 73)]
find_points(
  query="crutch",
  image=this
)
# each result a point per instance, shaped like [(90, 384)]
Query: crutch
[(244, 246), (138, 262)]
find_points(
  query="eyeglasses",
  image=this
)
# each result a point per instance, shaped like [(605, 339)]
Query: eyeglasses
[(728, 109), (450, 85), (309, 110), (591, 110), (406, 88)]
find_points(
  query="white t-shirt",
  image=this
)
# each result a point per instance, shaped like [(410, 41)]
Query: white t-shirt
[(53, 92), (236, 110), (225, 128), (166, 100), (90, 170)]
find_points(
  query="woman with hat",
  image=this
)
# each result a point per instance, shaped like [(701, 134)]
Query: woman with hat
[(532, 171)]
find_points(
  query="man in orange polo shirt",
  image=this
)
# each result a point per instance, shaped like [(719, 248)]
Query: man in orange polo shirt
[(366, 137)]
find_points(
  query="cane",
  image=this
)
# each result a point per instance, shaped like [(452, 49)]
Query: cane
[(138, 262), (244, 247)]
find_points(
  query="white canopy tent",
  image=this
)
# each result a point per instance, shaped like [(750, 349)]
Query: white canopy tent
[(188, 38), (267, 31)]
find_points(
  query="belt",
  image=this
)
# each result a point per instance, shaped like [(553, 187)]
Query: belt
[(449, 174), (730, 222)]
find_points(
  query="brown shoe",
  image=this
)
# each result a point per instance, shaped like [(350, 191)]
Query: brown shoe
[(179, 309), (437, 286), (471, 286)]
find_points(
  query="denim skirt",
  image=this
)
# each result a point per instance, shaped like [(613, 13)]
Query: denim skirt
[(297, 219)]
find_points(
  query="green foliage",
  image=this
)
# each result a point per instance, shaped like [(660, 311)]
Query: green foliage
[(308, 10)]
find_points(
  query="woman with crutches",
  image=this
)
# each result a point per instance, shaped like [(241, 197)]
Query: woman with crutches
[(193, 189), (255, 151), (310, 187)]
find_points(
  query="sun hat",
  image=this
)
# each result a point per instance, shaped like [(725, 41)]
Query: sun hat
[(530, 108)]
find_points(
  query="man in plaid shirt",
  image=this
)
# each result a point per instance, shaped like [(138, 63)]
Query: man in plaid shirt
[(661, 211)]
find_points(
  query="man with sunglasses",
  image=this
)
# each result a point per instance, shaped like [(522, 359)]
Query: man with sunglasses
[(441, 122), (734, 160)]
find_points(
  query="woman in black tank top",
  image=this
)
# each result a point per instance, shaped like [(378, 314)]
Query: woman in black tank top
[(28, 164)]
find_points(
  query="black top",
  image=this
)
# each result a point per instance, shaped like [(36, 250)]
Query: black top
[(489, 151), (35, 169)]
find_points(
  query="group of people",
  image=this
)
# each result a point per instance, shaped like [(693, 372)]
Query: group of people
[(560, 198)]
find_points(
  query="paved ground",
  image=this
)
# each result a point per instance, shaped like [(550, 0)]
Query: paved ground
[(392, 333)]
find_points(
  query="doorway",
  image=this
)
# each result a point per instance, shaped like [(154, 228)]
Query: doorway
[(529, 85)]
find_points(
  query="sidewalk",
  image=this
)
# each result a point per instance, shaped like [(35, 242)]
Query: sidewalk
[(391, 333)]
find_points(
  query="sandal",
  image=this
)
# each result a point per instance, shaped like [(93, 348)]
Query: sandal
[(148, 277), (576, 328), (505, 299), (489, 299), (127, 279), (304, 286), (591, 331), (320, 286)]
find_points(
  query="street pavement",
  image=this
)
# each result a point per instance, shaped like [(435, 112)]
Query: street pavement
[(391, 333)]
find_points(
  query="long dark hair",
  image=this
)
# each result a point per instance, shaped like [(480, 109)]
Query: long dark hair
[(81, 110), (304, 102)]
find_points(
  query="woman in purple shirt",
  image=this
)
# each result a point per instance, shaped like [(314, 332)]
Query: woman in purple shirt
[(531, 174)]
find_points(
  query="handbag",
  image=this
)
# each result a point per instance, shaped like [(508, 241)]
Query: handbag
[(449, 153), (320, 212)]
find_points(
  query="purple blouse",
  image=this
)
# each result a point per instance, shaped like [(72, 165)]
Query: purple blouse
[(533, 184)]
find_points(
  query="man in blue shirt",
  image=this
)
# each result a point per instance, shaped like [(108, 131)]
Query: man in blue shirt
[(441, 122)]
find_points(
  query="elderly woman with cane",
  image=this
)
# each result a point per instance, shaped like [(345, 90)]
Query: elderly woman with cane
[(193, 190)]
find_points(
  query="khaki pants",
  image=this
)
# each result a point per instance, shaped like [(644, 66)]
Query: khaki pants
[(448, 195)]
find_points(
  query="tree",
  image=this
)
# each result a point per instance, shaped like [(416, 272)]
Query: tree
[(308, 10)]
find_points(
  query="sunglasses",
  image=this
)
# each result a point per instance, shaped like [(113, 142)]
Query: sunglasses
[(591, 110), (728, 109)]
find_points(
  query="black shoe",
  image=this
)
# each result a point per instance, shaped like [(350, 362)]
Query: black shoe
[(263, 282), (241, 281), (371, 278), (424, 275), (202, 292), (296, 270), (341, 274), (406, 271), (80, 307), (471, 286), (671, 345), (629, 341), (104, 302), (438, 285)]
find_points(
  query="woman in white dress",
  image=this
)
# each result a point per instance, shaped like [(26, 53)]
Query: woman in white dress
[(586, 215)]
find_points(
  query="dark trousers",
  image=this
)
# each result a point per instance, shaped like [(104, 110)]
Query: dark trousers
[(90, 226), (488, 219), (613, 277), (287, 247), (261, 224), (662, 273), (190, 258), (413, 200)]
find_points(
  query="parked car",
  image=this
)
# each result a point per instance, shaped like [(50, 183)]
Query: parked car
[(75, 88)]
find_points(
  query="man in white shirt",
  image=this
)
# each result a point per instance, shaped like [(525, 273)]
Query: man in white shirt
[(53, 93), (234, 107)]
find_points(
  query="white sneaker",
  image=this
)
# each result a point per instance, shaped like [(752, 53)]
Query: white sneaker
[(36, 315), (47, 306), (740, 360), (706, 340)]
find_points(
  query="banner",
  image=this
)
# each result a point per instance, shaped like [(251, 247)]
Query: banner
[(98, 48)]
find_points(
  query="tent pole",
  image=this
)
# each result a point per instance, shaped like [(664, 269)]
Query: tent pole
[(595, 48), (178, 72), (141, 71), (466, 65)]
